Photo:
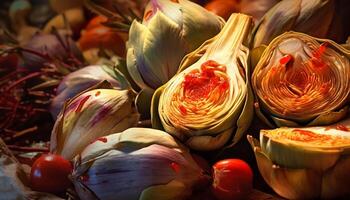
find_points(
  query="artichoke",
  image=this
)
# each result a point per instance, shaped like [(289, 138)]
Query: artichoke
[(99, 111), (304, 16), (169, 30), (305, 163), (300, 80), (82, 79), (139, 163), (209, 101)]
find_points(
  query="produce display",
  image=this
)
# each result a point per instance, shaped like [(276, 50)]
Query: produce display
[(174, 99)]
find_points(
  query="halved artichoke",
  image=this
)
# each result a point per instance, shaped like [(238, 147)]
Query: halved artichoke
[(306, 163), (210, 100), (302, 80)]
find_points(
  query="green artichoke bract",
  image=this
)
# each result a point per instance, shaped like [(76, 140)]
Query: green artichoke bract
[(306, 163), (300, 80), (317, 18), (169, 30), (98, 111), (139, 163), (209, 102)]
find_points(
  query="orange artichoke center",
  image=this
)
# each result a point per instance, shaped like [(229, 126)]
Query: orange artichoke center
[(209, 84)]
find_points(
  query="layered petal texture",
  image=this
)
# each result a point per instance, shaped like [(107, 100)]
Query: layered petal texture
[(91, 114), (209, 102), (318, 18), (305, 163), (82, 79), (138, 163), (169, 30), (301, 80)]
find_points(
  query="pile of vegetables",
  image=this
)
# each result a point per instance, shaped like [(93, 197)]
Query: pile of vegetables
[(153, 99)]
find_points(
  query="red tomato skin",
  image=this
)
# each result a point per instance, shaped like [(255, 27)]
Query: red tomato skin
[(233, 179), (50, 173)]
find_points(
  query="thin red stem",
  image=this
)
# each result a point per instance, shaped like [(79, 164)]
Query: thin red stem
[(24, 79)]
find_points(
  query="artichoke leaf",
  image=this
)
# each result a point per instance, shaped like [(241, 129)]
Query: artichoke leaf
[(208, 142), (80, 122), (143, 102), (156, 43), (170, 191), (192, 14), (155, 119), (295, 15), (287, 182), (57, 132), (146, 163), (337, 179), (255, 55), (121, 66), (280, 17), (330, 117), (247, 113), (169, 30), (136, 36)]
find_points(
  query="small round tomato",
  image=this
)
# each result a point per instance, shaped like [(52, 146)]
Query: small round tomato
[(49, 173), (223, 8), (233, 179)]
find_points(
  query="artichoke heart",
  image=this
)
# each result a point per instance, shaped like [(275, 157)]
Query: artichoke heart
[(210, 99), (306, 163), (301, 80)]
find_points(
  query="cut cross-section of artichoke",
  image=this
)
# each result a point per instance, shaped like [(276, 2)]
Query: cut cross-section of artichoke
[(210, 99), (307, 162), (301, 80)]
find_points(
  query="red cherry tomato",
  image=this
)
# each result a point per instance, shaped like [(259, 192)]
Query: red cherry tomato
[(223, 8), (233, 179), (49, 173)]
